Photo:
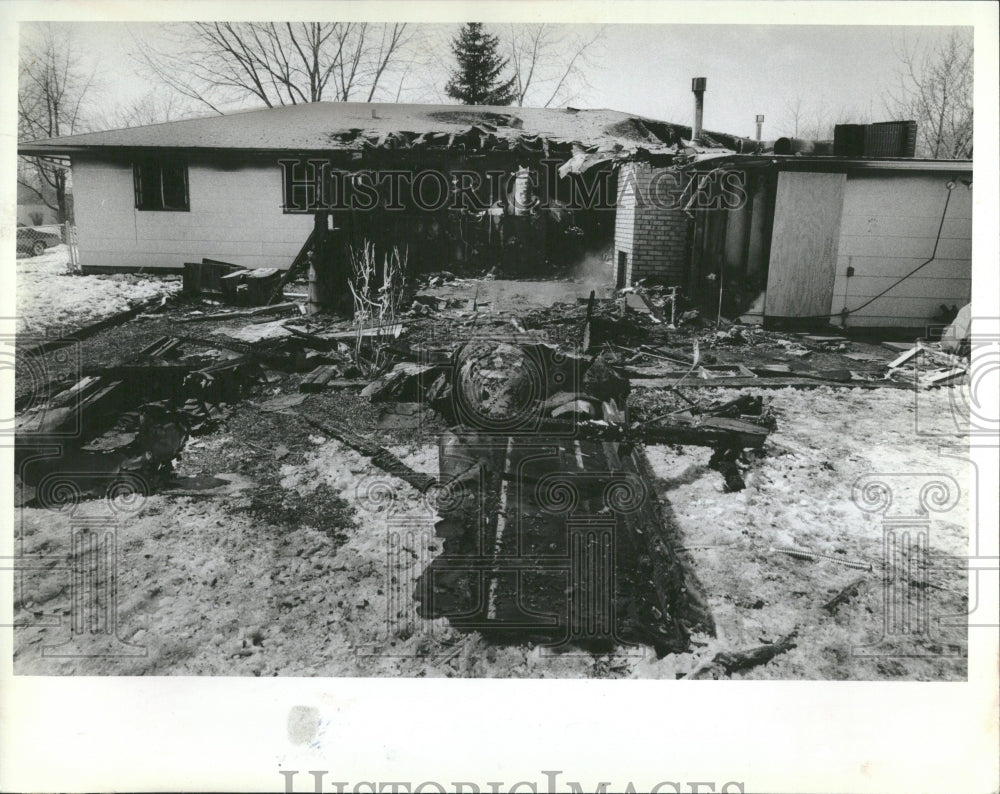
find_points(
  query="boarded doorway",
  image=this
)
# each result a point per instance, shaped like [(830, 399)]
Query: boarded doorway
[(803, 258)]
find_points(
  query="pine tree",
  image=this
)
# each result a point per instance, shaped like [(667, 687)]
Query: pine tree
[(476, 79)]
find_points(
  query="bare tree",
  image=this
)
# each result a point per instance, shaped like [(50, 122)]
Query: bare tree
[(153, 107), (550, 62), (794, 114), (816, 121), (935, 90), (287, 63), (52, 88)]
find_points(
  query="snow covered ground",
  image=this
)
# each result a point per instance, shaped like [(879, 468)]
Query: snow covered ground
[(52, 301), (297, 572), (207, 586)]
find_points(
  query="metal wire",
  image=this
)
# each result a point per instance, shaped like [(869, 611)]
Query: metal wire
[(812, 555)]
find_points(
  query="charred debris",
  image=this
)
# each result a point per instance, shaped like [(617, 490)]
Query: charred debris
[(589, 383)]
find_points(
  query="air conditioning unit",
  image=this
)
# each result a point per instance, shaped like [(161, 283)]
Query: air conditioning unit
[(884, 139)]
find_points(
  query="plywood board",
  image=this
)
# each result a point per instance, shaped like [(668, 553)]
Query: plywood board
[(804, 244)]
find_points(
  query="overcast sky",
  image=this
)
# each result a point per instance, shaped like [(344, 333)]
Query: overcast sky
[(838, 73)]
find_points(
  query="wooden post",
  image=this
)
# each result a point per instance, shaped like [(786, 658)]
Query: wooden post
[(317, 264), (68, 239)]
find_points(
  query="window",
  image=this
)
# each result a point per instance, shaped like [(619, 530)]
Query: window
[(160, 185)]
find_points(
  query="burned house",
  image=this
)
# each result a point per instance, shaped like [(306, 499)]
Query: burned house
[(511, 187), (853, 232), (587, 472), (808, 240)]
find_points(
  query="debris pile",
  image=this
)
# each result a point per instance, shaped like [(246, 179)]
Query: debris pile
[(610, 321), (65, 447), (520, 416), (546, 417)]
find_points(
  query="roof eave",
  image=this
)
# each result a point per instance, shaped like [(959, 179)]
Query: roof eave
[(797, 162)]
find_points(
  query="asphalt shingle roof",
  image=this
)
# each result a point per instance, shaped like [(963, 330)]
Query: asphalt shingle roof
[(324, 126)]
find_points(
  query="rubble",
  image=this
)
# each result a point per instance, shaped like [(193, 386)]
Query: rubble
[(172, 395), (196, 316), (603, 383), (204, 279), (609, 321), (726, 663), (572, 379), (404, 382), (135, 467)]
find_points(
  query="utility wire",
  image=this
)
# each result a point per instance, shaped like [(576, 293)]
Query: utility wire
[(937, 240), (845, 312)]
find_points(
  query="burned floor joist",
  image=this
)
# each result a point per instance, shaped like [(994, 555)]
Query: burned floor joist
[(552, 528), (379, 456), (714, 432), (539, 548)]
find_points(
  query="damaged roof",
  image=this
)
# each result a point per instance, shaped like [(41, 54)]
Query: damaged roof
[(358, 126)]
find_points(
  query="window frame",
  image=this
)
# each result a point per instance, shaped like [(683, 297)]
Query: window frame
[(141, 201)]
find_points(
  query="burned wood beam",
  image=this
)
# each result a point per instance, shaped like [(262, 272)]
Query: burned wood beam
[(380, 457), (300, 262), (585, 333), (48, 345), (677, 587), (277, 307), (844, 595), (162, 348), (71, 425), (314, 341), (713, 432), (727, 663), (676, 581)]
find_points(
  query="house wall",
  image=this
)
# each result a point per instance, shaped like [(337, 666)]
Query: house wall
[(654, 238), (888, 226), (235, 215)]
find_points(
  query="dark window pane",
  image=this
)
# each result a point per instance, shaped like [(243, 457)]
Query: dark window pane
[(160, 185), (174, 188), (149, 186)]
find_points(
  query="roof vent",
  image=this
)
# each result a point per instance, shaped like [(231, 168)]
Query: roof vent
[(698, 85)]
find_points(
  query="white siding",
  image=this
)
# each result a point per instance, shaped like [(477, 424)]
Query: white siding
[(887, 229), (235, 215)]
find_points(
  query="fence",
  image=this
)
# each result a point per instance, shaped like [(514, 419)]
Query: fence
[(66, 232)]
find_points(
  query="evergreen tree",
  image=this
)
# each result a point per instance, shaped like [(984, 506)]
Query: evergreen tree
[(476, 79)]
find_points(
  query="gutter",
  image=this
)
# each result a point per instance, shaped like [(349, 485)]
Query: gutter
[(831, 164)]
